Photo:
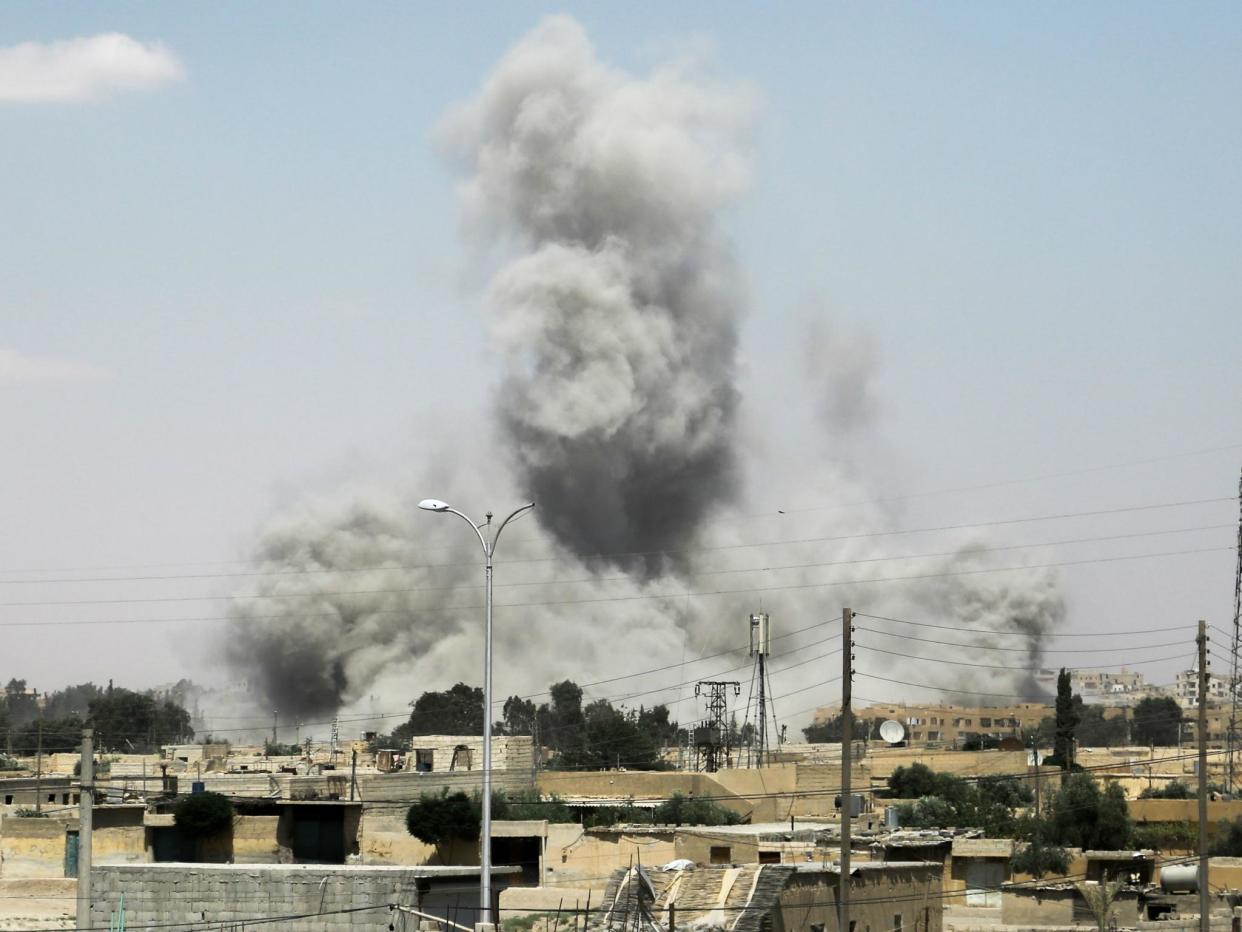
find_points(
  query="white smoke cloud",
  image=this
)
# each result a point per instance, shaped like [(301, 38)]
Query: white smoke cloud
[(83, 68)]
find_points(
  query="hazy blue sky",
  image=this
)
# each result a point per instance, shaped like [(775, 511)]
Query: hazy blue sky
[(240, 277)]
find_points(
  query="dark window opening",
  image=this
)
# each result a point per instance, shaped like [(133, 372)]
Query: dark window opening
[(721, 854), (424, 760), (769, 857)]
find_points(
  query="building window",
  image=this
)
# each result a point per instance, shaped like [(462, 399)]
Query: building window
[(769, 857), (985, 723), (897, 922), (721, 854), (424, 759), (461, 758), (8, 799), (817, 927)]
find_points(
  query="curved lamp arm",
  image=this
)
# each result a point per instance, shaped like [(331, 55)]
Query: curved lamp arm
[(474, 527), (513, 514)]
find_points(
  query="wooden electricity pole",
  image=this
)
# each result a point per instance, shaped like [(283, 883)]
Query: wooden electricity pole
[(1204, 908), (847, 739)]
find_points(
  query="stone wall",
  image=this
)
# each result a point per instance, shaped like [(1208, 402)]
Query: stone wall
[(161, 894), (882, 899), (508, 753)]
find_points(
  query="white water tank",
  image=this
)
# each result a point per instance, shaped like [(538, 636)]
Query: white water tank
[(1179, 878)]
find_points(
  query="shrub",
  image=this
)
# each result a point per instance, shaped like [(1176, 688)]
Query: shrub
[(1038, 861), (685, 810), (1163, 836), (203, 814), (1174, 790), (436, 819)]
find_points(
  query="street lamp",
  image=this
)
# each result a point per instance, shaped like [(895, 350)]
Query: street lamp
[(489, 551)]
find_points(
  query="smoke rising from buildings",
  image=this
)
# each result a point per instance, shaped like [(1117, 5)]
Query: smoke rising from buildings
[(615, 311), (617, 314)]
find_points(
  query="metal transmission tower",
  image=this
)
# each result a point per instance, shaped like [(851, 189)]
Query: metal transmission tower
[(711, 738), (760, 647), (1237, 645)]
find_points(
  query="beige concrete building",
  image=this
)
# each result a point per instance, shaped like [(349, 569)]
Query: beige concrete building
[(893, 897), (950, 725)]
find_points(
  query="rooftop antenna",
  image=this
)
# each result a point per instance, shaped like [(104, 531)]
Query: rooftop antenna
[(760, 647)]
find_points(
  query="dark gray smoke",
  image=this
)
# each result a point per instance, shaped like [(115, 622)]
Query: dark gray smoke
[(618, 315), (616, 312)]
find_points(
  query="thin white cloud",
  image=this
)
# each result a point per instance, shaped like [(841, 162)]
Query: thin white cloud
[(18, 367), (83, 69)]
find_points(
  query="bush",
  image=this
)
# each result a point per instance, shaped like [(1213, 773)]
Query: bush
[(203, 814), (9, 763), (1164, 836), (436, 819), (530, 805), (1228, 840), (1174, 790), (685, 810), (1046, 859)]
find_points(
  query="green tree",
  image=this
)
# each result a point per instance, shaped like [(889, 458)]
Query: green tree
[(1039, 860), (1174, 790), (203, 814), (454, 711), (1157, 721), (126, 720), (1084, 817), (1228, 840), (434, 820), (60, 736), (1068, 716), (519, 717), (686, 810), (1096, 731)]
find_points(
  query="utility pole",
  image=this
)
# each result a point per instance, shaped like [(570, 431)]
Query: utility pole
[(847, 739), (353, 775), (275, 724), (1038, 812), (1234, 682), (39, 769), (86, 813), (1204, 909)]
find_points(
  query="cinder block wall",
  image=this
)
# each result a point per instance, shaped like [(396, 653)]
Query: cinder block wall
[(161, 894)]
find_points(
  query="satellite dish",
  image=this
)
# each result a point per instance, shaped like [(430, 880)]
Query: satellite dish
[(892, 731)]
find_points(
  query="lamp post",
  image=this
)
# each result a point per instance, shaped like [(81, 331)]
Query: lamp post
[(488, 541)]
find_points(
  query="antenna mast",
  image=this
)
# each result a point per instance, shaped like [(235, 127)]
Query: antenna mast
[(712, 737), (760, 647)]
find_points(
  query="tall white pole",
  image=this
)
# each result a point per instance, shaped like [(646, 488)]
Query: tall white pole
[(485, 826), (485, 861)]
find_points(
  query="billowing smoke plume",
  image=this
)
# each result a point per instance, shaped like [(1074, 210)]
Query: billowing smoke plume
[(618, 316), (616, 310)]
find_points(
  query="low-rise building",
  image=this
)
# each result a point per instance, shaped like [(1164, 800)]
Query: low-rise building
[(893, 897)]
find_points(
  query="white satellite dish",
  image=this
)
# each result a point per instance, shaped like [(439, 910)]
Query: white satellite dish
[(892, 731)]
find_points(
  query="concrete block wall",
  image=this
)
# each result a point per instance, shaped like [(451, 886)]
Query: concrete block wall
[(161, 894), (508, 752)]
